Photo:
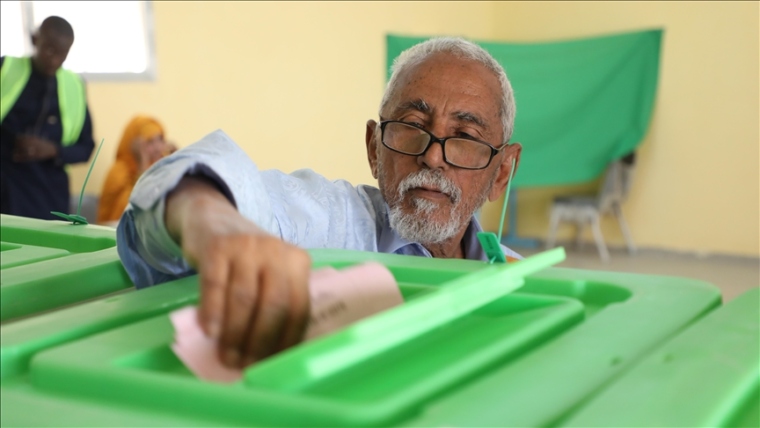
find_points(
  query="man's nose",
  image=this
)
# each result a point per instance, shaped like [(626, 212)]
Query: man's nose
[(433, 157)]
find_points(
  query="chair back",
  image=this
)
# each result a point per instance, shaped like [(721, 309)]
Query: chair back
[(616, 185)]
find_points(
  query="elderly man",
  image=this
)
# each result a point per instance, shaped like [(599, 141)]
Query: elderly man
[(438, 152)]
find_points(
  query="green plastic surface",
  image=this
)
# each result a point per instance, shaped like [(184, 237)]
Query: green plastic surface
[(543, 387), (708, 375), (528, 358), (17, 255), (51, 264)]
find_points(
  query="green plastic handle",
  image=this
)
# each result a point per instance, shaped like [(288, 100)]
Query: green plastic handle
[(417, 317), (491, 247)]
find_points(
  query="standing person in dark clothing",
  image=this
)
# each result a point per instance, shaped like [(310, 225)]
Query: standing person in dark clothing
[(46, 124)]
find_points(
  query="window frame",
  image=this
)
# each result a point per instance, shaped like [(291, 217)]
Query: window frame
[(149, 75)]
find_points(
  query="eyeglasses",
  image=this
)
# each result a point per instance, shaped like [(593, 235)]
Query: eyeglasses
[(407, 139)]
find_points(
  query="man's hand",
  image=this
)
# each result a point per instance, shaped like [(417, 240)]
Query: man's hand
[(30, 148), (254, 286)]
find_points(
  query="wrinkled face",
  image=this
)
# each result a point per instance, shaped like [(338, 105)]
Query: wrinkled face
[(50, 51), (430, 200)]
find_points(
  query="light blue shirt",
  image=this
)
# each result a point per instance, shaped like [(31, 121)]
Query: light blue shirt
[(303, 208)]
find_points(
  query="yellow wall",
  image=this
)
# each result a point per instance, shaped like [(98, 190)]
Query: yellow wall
[(697, 184), (294, 83)]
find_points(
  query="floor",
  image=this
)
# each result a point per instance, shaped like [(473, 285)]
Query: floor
[(733, 275)]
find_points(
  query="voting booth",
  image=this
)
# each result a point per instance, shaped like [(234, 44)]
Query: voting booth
[(473, 344)]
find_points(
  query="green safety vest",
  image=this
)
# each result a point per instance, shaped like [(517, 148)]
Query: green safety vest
[(71, 95)]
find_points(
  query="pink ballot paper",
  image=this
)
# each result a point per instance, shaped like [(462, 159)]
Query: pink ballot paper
[(338, 298)]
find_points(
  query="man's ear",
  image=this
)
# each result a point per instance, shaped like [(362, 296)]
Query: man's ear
[(513, 151), (371, 142), (34, 39)]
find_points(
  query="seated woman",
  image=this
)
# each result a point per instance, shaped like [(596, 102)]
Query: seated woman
[(141, 146)]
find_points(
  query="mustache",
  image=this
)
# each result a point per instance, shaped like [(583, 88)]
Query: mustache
[(433, 179)]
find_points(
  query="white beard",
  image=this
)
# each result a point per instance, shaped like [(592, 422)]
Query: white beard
[(418, 226)]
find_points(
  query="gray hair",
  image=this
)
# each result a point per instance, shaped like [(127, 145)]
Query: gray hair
[(461, 48)]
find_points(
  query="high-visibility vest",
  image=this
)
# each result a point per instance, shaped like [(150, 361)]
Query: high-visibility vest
[(72, 101)]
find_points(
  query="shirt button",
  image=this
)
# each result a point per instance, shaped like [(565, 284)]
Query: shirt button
[(52, 120)]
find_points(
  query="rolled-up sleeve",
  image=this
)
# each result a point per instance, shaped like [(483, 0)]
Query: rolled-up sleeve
[(147, 251), (302, 208)]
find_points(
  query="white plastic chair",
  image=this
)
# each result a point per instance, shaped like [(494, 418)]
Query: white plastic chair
[(588, 210)]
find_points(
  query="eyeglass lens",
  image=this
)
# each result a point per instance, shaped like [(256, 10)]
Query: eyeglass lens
[(457, 151)]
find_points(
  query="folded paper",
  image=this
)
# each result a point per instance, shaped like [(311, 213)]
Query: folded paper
[(338, 299)]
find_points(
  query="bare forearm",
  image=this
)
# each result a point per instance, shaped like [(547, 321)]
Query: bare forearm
[(198, 197)]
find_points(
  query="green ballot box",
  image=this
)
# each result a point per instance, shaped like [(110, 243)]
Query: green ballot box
[(474, 344), (707, 375), (51, 264)]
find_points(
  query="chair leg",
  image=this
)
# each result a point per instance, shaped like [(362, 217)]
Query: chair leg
[(579, 236), (553, 225), (624, 228), (603, 253)]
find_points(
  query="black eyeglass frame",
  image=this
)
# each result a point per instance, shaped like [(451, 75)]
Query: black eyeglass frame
[(441, 141)]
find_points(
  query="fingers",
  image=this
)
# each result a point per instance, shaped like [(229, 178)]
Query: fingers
[(281, 311), (254, 287), (27, 155), (29, 149), (266, 304), (214, 274), (299, 302), (242, 297), (270, 318), (24, 150)]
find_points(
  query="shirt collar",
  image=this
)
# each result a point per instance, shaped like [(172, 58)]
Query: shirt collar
[(390, 242)]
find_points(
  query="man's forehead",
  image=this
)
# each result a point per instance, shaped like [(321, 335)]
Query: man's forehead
[(56, 37), (471, 91), (422, 106), (418, 104)]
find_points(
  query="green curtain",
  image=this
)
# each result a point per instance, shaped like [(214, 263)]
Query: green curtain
[(581, 104)]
